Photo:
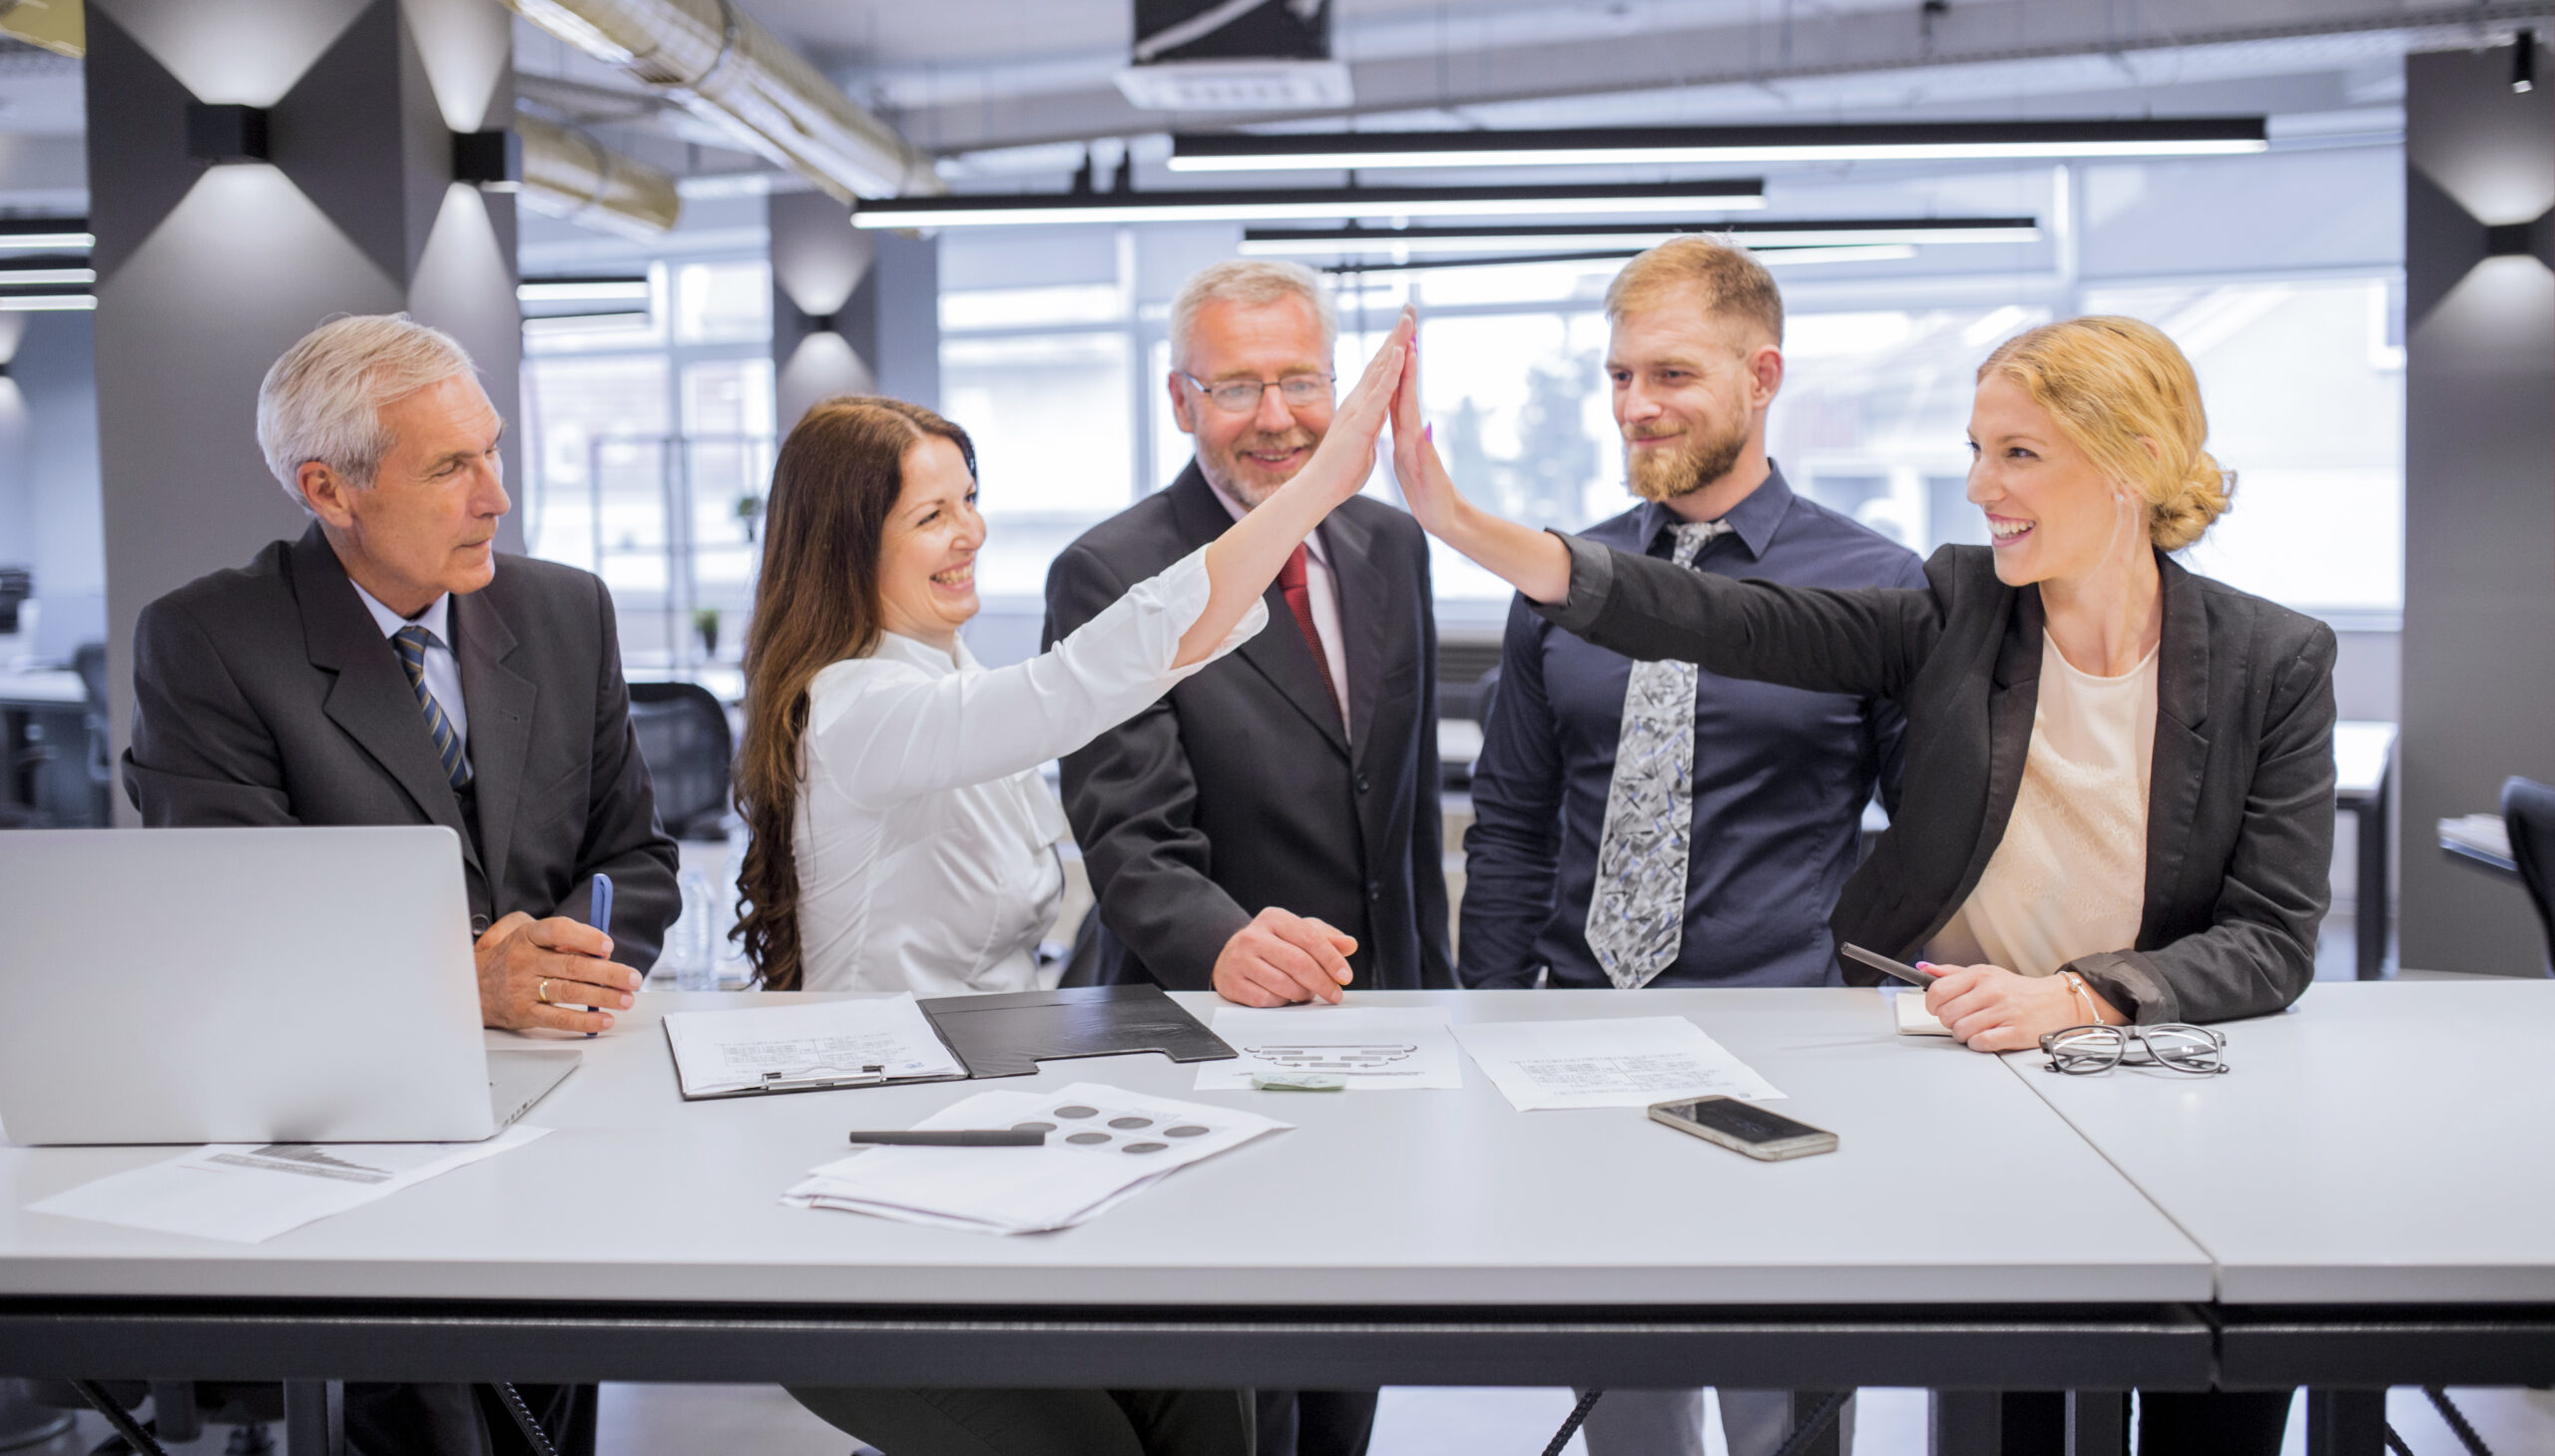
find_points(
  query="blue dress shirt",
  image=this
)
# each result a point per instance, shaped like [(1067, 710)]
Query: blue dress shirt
[(1780, 776)]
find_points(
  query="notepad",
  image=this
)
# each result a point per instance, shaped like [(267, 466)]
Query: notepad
[(862, 1042), (1907, 1005)]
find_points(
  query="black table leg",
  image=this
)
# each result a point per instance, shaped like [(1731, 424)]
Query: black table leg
[(2370, 918), (2097, 1423), (314, 1418), (1965, 1423), (2346, 1424)]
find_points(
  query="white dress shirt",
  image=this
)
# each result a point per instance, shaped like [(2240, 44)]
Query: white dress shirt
[(926, 833), (1321, 595), (443, 670)]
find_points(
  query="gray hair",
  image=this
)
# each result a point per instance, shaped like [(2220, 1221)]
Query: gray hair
[(323, 399), (1251, 282)]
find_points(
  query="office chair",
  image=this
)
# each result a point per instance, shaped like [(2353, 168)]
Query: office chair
[(684, 738), (2528, 809)]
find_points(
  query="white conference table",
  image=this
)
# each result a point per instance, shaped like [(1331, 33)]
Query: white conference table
[(2359, 1203)]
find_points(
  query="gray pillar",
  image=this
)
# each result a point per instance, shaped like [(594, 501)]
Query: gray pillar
[(2479, 490), (206, 272), (852, 312)]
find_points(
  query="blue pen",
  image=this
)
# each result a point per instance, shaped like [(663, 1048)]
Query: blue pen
[(599, 911)]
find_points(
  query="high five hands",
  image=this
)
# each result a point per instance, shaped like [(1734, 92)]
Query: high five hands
[(1534, 562)]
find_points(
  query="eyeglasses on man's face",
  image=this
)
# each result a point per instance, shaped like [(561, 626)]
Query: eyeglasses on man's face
[(2172, 1046), (1241, 396)]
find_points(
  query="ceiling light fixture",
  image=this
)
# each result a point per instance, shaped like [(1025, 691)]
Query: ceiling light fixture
[(1719, 146), (1771, 256), (1637, 235), (623, 288), (31, 234), (26, 277), (2524, 63), (45, 302), (1255, 206)]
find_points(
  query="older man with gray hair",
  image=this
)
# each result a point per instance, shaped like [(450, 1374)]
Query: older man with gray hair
[(391, 667), (1272, 822)]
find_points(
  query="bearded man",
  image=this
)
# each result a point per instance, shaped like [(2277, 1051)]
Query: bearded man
[(1641, 824)]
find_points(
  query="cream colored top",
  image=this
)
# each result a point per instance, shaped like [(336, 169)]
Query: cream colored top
[(2069, 878), (926, 858)]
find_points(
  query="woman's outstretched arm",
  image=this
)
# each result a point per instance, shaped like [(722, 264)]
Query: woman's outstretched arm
[(1246, 558)]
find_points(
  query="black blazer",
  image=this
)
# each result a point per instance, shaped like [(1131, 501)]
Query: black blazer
[(2240, 808), (269, 696), (1238, 790)]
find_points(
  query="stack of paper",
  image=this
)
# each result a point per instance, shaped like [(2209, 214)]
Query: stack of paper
[(246, 1194), (1629, 1060), (852, 1043), (1104, 1145), (1368, 1047)]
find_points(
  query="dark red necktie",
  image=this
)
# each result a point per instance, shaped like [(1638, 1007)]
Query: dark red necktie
[(1290, 581)]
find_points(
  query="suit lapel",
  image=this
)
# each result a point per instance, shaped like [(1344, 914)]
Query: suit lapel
[(1362, 617), (370, 700), (500, 703), (1279, 652), (2181, 744)]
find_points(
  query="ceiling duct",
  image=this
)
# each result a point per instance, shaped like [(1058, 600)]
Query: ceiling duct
[(723, 66), (56, 25), (569, 175)]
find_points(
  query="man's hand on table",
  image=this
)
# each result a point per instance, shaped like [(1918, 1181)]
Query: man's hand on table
[(1282, 958), (548, 973)]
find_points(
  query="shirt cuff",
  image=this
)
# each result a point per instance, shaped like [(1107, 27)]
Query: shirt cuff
[(1592, 580)]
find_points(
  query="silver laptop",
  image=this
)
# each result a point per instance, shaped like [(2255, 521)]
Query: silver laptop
[(299, 985)]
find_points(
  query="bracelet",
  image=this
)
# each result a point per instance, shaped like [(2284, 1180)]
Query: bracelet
[(2085, 998)]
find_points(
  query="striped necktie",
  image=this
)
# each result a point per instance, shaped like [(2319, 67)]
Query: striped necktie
[(411, 642)]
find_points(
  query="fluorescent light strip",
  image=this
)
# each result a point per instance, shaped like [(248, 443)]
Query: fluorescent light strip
[(45, 302), (29, 277), (1671, 146), (984, 212), (1508, 239), (33, 240), (581, 291), (1771, 257)]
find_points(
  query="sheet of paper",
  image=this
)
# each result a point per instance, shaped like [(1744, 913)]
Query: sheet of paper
[(729, 1051), (1621, 1061), (1374, 1048), (1907, 1005), (1104, 1145), (245, 1193)]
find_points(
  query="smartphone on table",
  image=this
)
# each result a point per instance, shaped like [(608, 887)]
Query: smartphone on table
[(1744, 1126)]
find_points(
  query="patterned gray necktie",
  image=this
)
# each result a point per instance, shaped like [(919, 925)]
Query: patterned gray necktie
[(1637, 918)]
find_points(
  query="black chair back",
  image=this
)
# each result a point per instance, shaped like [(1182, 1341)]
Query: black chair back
[(2528, 811), (684, 738)]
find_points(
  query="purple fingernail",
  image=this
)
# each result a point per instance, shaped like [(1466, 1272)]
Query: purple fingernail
[(1428, 433)]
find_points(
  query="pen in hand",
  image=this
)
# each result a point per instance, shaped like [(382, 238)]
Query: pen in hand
[(599, 911)]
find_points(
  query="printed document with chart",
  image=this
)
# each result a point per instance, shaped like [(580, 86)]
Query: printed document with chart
[(1629, 1060), (1370, 1048)]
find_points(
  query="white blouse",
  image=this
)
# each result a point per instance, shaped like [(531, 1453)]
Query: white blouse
[(926, 835), (2069, 878)]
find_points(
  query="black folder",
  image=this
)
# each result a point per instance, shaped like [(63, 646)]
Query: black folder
[(1009, 1034)]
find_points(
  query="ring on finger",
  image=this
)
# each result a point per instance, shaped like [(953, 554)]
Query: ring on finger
[(541, 992)]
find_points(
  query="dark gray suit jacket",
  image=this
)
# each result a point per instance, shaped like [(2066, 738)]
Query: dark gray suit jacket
[(1238, 790), (2240, 807), (269, 696)]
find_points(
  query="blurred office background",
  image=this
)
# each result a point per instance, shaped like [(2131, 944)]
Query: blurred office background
[(658, 280)]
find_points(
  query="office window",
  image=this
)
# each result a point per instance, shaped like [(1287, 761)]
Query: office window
[(596, 500), (722, 303), (2304, 384), (1054, 455)]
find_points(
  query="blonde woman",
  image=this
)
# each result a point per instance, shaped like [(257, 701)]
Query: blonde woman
[(2119, 801)]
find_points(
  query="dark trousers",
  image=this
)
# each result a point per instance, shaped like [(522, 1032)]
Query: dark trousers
[(1039, 1422), (2185, 1423), (464, 1420), (1315, 1422)]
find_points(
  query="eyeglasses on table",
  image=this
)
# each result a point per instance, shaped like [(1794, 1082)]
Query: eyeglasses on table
[(2078, 1051)]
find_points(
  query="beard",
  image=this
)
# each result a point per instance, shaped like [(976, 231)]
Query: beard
[(1665, 475), (1247, 480)]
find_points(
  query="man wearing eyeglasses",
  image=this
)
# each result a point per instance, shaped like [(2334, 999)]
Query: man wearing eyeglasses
[(1269, 828)]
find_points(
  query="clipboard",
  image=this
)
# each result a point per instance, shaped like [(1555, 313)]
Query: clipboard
[(1009, 1034), (804, 1074)]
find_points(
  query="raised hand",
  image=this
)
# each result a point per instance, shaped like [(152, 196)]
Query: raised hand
[(1533, 562), (1347, 455)]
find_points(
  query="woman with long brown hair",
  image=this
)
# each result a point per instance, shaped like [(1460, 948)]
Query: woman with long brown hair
[(902, 836)]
